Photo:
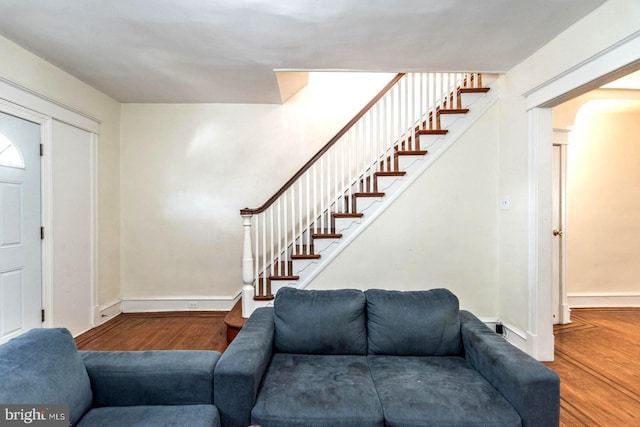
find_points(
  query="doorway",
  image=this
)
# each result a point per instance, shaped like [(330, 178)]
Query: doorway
[(601, 193), (20, 222)]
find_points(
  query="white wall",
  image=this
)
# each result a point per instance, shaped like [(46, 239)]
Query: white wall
[(603, 200), (441, 232), (187, 170), (25, 69)]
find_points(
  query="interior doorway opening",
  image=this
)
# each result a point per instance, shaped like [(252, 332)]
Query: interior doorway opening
[(595, 187)]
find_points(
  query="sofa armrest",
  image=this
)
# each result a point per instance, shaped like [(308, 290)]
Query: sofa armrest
[(240, 370), (169, 377), (532, 388)]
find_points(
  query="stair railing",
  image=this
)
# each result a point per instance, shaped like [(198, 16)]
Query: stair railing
[(282, 228)]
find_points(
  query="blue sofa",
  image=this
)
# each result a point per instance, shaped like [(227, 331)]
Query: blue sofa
[(147, 388), (376, 358)]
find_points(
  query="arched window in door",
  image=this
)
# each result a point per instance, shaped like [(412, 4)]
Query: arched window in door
[(9, 154)]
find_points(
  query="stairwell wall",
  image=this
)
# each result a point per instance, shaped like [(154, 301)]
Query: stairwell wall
[(441, 232), (187, 170)]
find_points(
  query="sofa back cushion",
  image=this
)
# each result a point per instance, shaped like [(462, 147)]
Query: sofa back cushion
[(413, 323), (320, 322), (43, 366)]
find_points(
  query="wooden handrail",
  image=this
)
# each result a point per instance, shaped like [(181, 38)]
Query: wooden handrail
[(328, 145)]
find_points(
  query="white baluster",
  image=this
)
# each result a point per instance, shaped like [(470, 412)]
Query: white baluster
[(308, 210), (257, 257), (322, 195), (414, 86), (285, 227), (300, 225), (293, 219), (315, 198), (336, 178), (271, 246), (342, 177), (385, 134), (392, 133), (350, 147), (379, 140), (357, 137), (264, 253), (329, 194), (280, 256)]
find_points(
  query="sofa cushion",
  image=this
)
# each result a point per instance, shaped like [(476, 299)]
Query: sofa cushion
[(437, 391), (43, 366), (414, 323), (314, 390), (320, 322), (152, 416)]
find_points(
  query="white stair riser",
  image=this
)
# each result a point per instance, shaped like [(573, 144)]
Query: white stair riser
[(323, 246), (363, 204), (427, 141), (447, 120), (468, 99), (344, 224), (300, 265), (405, 162), (386, 182)]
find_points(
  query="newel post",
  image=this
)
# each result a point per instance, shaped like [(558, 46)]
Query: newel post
[(247, 267)]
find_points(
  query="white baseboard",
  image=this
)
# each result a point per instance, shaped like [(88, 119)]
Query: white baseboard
[(106, 312), (604, 299), (512, 334), (186, 303)]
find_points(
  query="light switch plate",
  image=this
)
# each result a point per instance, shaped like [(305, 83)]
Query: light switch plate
[(505, 203)]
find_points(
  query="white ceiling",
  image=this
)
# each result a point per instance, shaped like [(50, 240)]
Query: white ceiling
[(227, 50)]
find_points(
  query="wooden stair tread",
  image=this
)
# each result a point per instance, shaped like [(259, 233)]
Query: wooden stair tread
[(283, 278), (453, 111), (391, 173), (234, 321), (305, 256), (474, 90), (372, 194), (432, 131), (412, 153), (326, 236), (347, 215), (263, 297)]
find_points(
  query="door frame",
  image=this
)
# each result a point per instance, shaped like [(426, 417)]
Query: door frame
[(615, 61), (561, 140), (26, 104)]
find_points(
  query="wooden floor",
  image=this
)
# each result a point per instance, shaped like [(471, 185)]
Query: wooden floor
[(597, 356), (204, 330)]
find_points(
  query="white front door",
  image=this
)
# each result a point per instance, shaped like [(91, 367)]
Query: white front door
[(20, 220)]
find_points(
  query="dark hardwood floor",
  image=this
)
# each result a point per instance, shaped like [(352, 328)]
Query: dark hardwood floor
[(202, 330), (596, 356)]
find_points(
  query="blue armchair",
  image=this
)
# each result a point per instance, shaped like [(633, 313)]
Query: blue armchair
[(146, 388)]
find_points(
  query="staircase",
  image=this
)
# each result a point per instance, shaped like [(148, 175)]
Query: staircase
[(354, 177)]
